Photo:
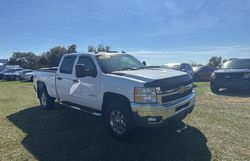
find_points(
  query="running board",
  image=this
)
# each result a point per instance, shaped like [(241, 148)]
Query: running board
[(81, 109)]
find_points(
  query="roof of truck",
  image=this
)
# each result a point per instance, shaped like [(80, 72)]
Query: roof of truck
[(91, 54)]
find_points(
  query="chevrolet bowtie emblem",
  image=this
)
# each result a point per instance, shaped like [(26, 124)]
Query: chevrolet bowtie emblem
[(182, 89)]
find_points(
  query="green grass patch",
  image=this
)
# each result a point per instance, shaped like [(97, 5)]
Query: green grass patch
[(218, 129)]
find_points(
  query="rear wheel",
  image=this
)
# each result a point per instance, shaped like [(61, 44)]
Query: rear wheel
[(46, 101), (197, 78), (17, 78), (119, 121), (31, 79)]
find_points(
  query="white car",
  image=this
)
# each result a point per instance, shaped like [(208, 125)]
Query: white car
[(119, 88), (28, 76)]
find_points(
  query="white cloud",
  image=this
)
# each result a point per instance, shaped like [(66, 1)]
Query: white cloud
[(195, 54)]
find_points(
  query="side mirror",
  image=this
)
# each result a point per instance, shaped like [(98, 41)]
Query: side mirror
[(144, 62), (82, 71)]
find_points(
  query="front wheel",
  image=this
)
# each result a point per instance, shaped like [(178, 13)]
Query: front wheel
[(119, 121), (46, 101), (214, 88)]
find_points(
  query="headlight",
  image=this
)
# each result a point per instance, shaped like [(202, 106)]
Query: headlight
[(213, 75), (246, 76), (145, 95)]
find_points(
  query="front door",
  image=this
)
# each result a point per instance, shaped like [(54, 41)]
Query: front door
[(87, 91)]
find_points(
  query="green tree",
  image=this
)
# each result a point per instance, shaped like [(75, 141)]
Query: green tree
[(50, 58), (72, 48), (91, 49), (24, 59), (54, 55), (215, 61), (42, 61), (99, 48)]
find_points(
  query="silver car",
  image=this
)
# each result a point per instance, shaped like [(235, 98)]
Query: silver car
[(28, 76), (179, 66)]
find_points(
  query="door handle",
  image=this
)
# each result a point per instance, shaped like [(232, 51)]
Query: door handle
[(59, 78), (76, 81)]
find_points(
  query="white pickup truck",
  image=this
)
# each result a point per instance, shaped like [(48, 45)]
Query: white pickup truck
[(118, 87)]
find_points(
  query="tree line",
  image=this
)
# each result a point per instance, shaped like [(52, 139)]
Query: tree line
[(49, 58), (52, 57)]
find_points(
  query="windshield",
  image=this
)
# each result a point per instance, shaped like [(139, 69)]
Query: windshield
[(118, 62), (237, 64)]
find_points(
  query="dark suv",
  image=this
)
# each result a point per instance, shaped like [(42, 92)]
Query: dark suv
[(234, 74)]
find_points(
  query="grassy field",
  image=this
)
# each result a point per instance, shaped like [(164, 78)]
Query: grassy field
[(218, 129)]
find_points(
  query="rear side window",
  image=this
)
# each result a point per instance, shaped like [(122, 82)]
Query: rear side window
[(89, 64), (67, 65)]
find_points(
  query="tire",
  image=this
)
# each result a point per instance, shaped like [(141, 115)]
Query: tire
[(46, 101), (17, 78), (119, 120), (31, 79), (214, 89), (196, 78)]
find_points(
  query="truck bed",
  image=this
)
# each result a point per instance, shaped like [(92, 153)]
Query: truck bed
[(48, 76), (52, 69)]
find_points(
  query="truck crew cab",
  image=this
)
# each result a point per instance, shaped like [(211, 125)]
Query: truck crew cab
[(118, 87)]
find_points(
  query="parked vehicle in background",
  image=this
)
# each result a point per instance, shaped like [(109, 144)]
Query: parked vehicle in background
[(179, 66), (12, 74), (28, 76), (23, 75), (4, 68), (234, 74), (203, 73), (119, 88)]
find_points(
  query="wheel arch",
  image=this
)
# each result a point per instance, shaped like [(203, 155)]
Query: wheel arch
[(110, 97), (40, 86)]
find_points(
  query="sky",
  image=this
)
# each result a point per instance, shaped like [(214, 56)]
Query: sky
[(158, 31)]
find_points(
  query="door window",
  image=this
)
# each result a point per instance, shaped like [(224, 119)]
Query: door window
[(89, 64), (67, 65)]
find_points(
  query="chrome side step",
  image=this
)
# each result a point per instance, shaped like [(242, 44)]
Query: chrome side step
[(80, 109)]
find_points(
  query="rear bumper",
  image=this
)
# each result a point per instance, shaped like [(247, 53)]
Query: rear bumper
[(153, 115), (235, 84)]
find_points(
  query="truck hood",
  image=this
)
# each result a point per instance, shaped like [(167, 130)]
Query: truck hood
[(164, 78), (148, 75), (233, 71)]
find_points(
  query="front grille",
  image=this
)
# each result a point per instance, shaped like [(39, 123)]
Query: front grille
[(176, 96), (229, 76)]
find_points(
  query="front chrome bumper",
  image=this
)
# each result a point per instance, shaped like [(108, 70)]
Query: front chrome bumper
[(155, 114)]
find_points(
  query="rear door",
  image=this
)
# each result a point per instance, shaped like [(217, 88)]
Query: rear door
[(65, 78)]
